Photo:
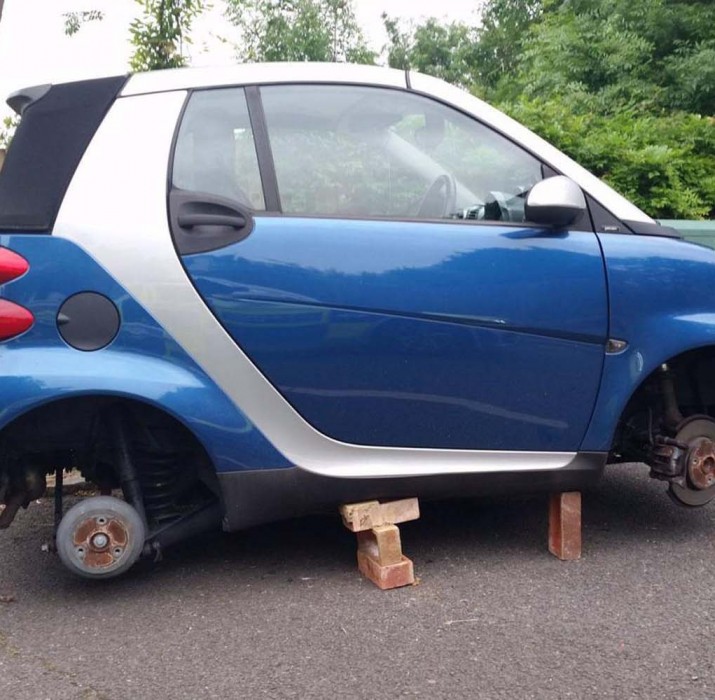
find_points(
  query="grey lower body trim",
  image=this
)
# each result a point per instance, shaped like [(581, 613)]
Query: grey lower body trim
[(262, 496)]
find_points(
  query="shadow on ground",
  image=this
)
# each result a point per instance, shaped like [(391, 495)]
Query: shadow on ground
[(626, 509)]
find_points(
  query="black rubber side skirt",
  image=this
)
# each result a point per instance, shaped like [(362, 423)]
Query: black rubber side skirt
[(261, 496)]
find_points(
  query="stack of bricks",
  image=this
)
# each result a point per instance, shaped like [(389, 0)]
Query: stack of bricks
[(379, 554)]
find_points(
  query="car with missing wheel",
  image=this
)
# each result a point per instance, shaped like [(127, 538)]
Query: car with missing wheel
[(242, 294)]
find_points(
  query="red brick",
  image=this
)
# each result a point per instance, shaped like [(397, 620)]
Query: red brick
[(565, 525), (358, 517), (386, 577), (382, 544)]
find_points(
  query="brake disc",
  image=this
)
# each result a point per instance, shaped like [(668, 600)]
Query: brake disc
[(696, 487)]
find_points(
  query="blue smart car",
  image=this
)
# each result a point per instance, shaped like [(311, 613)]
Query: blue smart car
[(244, 294)]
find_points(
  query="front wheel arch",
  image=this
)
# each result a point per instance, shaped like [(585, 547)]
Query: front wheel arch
[(692, 377)]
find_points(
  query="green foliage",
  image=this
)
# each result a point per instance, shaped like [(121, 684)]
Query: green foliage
[(160, 35), (625, 87), (501, 36), (664, 163), (74, 21), (690, 72), (652, 53), (7, 130), (443, 50), (298, 30)]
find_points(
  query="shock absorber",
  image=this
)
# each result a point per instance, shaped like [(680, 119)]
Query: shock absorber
[(672, 414), (124, 462)]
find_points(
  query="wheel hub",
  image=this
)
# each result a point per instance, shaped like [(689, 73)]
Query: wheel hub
[(694, 486), (701, 463), (100, 541), (100, 537)]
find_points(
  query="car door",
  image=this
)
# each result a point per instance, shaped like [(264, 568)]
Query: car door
[(366, 248)]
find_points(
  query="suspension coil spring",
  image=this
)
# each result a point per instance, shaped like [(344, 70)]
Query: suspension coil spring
[(159, 474)]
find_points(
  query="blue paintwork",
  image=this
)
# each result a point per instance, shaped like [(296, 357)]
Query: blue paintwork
[(419, 334), (662, 298), (469, 336), (142, 362)]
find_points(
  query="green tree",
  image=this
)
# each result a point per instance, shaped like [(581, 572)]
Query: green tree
[(298, 30), (74, 21), (446, 51), (159, 36), (501, 36), (625, 87), (664, 163), (652, 53)]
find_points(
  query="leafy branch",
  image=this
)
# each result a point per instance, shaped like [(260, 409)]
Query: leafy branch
[(160, 35)]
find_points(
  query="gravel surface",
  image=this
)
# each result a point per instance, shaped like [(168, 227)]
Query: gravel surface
[(281, 612)]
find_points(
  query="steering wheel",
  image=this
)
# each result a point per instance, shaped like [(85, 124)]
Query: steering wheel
[(496, 208), (440, 198)]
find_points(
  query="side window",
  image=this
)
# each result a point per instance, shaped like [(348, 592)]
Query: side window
[(215, 152), (363, 151)]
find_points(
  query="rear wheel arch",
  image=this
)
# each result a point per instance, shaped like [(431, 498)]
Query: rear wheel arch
[(67, 432)]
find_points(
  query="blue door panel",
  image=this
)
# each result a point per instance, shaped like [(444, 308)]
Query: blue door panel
[(419, 334)]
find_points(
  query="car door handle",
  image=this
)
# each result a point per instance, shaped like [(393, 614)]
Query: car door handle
[(193, 220)]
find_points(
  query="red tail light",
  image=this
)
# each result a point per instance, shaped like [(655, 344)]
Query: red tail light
[(14, 319), (12, 265)]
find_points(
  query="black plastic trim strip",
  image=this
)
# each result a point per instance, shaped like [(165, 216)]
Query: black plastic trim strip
[(518, 225), (547, 171), (265, 495), (266, 164), (603, 220), (641, 228)]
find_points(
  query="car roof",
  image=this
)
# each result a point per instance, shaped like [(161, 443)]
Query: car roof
[(262, 73), (182, 79)]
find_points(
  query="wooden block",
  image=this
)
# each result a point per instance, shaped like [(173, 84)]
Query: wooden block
[(565, 525), (382, 544), (358, 517), (386, 577)]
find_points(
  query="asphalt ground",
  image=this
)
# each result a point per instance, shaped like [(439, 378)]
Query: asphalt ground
[(281, 611)]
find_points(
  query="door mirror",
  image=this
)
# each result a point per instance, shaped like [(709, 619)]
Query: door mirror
[(556, 201)]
